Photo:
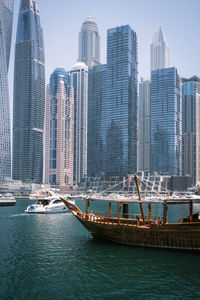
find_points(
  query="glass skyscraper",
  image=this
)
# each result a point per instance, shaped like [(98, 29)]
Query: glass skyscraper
[(79, 81), (166, 121), (59, 130), (119, 108), (89, 43), (96, 94), (144, 125), (159, 51), (29, 95), (6, 22), (191, 128)]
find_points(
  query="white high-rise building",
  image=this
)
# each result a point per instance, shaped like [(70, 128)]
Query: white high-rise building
[(79, 81), (159, 51), (89, 43), (59, 130)]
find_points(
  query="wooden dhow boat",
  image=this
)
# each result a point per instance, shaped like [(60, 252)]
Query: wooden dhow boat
[(140, 229)]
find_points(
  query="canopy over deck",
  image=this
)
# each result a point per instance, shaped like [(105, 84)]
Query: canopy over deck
[(128, 200)]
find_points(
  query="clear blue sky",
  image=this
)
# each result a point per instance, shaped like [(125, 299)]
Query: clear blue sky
[(62, 19)]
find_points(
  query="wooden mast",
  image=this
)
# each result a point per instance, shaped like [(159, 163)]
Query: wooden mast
[(139, 195), (165, 212), (110, 214)]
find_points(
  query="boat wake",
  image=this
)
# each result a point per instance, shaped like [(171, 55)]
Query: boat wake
[(18, 215)]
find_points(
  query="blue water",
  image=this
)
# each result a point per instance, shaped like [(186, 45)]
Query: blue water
[(54, 257)]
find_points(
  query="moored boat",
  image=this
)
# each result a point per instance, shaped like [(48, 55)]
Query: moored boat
[(140, 229), (7, 200)]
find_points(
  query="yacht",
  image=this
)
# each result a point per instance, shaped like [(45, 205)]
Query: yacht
[(47, 202)]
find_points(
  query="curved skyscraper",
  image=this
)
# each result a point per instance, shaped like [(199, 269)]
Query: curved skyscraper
[(59, 130), (89, 43), (6, 21), (29, 95)]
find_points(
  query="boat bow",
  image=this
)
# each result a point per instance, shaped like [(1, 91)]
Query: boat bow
[(71, 206)]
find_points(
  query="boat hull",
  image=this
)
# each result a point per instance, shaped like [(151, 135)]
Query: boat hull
[(46, 210), (168, 236)]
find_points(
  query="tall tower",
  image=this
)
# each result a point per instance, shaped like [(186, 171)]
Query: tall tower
[(79, 80), (6, 22), (119, 108), (191, 128), (166, 121), (59, 130), (144, 126), (89, 43), (96, 94), (29, 95), (159, 51)]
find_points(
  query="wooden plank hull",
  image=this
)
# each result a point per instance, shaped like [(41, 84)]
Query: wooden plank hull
[(168, 236)]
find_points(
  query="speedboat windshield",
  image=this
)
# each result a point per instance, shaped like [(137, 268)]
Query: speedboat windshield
[(42, 202)]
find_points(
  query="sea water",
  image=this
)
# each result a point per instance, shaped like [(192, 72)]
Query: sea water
[(54, 257)]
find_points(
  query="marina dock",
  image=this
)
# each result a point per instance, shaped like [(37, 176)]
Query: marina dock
[(6, 202)]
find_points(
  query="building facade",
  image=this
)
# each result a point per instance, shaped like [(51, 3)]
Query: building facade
[(79, 81), (96, 94), (144, 126), (6, 22), (119, 109), (166, 122), (29, 95), (89, 43), (159, 51), (59, 130), (191, 128)]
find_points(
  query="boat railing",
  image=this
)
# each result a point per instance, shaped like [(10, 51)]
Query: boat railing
[(124, 219)]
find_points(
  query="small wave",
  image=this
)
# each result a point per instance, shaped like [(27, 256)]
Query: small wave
[(18, 215)]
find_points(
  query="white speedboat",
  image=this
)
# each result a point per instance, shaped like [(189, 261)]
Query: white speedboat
[(47, 202)]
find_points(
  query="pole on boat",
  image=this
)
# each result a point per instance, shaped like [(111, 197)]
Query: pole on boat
[(149, 206), (118, 212), (110, 209), (191, 210), (139, 195), (125, 210), (164, 212), (86, 208)]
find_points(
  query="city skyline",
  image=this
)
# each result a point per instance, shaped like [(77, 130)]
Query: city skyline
[(86, 41), (144, 16)]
